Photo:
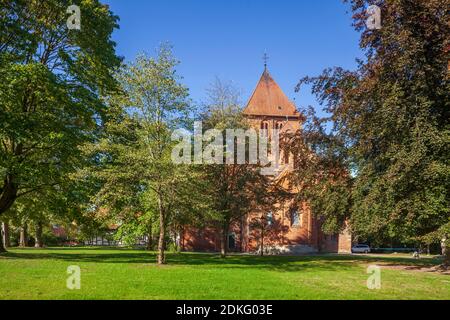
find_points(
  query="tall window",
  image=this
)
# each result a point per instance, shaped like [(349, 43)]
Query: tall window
[(278, 125), (286, 156), (265, 126), (269, 218), (231, 241), (296, 218)]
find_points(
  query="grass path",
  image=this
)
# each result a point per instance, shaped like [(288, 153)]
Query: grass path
[(111, 273)]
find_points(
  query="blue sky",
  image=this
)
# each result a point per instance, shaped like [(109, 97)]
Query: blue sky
[(228, 39)]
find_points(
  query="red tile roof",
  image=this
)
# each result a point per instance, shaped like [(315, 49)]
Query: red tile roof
[(269, 100)]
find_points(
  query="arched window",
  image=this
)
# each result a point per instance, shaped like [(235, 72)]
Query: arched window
[(265, 126), (296, 218), (278, 125)]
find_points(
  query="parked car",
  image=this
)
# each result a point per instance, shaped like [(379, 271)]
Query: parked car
[(361, 248)]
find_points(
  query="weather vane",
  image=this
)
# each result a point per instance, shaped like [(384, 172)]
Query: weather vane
[(265, 58)]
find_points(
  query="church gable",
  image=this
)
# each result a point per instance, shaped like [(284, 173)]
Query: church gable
[(269, 100)]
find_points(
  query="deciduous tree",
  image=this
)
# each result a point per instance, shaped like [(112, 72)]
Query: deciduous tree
[(139, 177), (50, 81), (390, 122)]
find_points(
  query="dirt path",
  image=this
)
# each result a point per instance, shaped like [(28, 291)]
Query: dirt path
[(434, 269)]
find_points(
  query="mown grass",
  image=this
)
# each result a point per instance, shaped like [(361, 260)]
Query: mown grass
[(112, 273)]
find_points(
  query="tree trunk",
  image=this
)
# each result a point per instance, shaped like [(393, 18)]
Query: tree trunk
[(176, 241), (38, 230), (447, 258), (242, 234), (162, 233), (23, 242), (262, 241), (7, 241), (149, 238), (8, 193), (224, 241), (182, 240), (445, 251), (2, 246)]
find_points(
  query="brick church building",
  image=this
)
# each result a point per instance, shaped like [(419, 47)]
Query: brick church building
[(291, 228)]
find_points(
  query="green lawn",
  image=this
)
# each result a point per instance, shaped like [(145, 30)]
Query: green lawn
[(111, 273)]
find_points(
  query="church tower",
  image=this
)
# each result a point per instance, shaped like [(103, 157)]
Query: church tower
[(294, 228), (269, 108)]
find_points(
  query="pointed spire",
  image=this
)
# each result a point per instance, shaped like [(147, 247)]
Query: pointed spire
[(265, 58), (269, 100)]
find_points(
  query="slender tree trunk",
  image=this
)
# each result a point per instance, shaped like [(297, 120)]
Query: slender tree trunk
[(445, 251), (182, 240), (162, 233), (38, 229), (149, 238), (7, 241), (2, 246), (319, 238), (224, 240), (262, 241), (447, 257), (176, 241), (23, 241), (242, 234)]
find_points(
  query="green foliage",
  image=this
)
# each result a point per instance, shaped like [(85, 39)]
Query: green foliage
[(390, 119), (321, 171), (142, 189), (50, 239), (50, 81)]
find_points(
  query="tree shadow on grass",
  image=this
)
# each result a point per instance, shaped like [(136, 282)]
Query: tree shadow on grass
[(84, 257), (74, 248), (324, 262), (186, 260)]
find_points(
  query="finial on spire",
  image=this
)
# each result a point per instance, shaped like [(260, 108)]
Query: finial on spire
[(265, 58)]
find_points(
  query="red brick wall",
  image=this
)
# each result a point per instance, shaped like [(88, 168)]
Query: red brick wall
[(280, 233), (329, 243), (194, 239), (207, 239), (248, 235)]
